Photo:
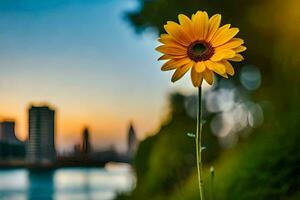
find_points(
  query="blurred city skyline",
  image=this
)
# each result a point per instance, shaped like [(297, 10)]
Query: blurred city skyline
[(83, 58)]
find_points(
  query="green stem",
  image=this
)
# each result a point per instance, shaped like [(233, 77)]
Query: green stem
[(198, 144), (212, 177)]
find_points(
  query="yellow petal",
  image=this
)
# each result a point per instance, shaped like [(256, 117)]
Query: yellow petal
[(200, 20), (173, 46), (187, 25), (181, 71), (167, 39), (224, 37), (179, 57), (224, 75), (208, 76), (217, 67), (196, 77), (176, 31), (200, 66), (240, 49), (205, 24), (169, 65), (228, 66), (220, 31), (171, 50), (165, 57), (164, 37), (214, 23), (173, 64), (222, 54), (176, 57), (237, 58), (233, 43)]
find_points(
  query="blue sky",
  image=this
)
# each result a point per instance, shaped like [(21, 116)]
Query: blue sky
[(85, 59)]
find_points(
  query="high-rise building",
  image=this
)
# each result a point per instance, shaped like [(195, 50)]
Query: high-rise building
[(10, 147), (132, 141), (86, 145), (41, 146), (7, 132)]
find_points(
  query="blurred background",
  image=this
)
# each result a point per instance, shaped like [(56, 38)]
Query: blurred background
[(86, 113)]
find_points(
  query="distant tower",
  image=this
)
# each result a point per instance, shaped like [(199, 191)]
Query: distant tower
[(41, 147), (7, 132), (132, 141), (86, 146)]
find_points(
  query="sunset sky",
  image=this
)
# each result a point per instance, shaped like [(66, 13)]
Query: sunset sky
[(84, 59)]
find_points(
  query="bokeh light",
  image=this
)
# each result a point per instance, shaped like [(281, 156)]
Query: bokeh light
[(250, 77)]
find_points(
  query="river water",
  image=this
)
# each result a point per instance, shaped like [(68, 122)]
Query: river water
[(66, 183)]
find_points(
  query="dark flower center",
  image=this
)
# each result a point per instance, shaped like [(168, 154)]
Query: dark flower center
[(200, 51)]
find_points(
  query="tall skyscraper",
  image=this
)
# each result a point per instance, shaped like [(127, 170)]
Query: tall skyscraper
[(7, 132), (86, 145), (132, 141), (41, 147)]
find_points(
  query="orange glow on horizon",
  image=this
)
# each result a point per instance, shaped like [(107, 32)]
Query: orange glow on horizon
[(107, 128)]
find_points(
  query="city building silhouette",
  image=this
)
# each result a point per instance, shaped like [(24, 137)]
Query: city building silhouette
[(86, 145), (7, 132), (132, 141), (10, 147), (41, 146)]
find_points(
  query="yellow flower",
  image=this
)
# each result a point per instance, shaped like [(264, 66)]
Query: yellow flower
[(200, 44)]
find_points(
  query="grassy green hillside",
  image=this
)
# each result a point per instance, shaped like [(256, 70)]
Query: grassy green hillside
[(263, 166)]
